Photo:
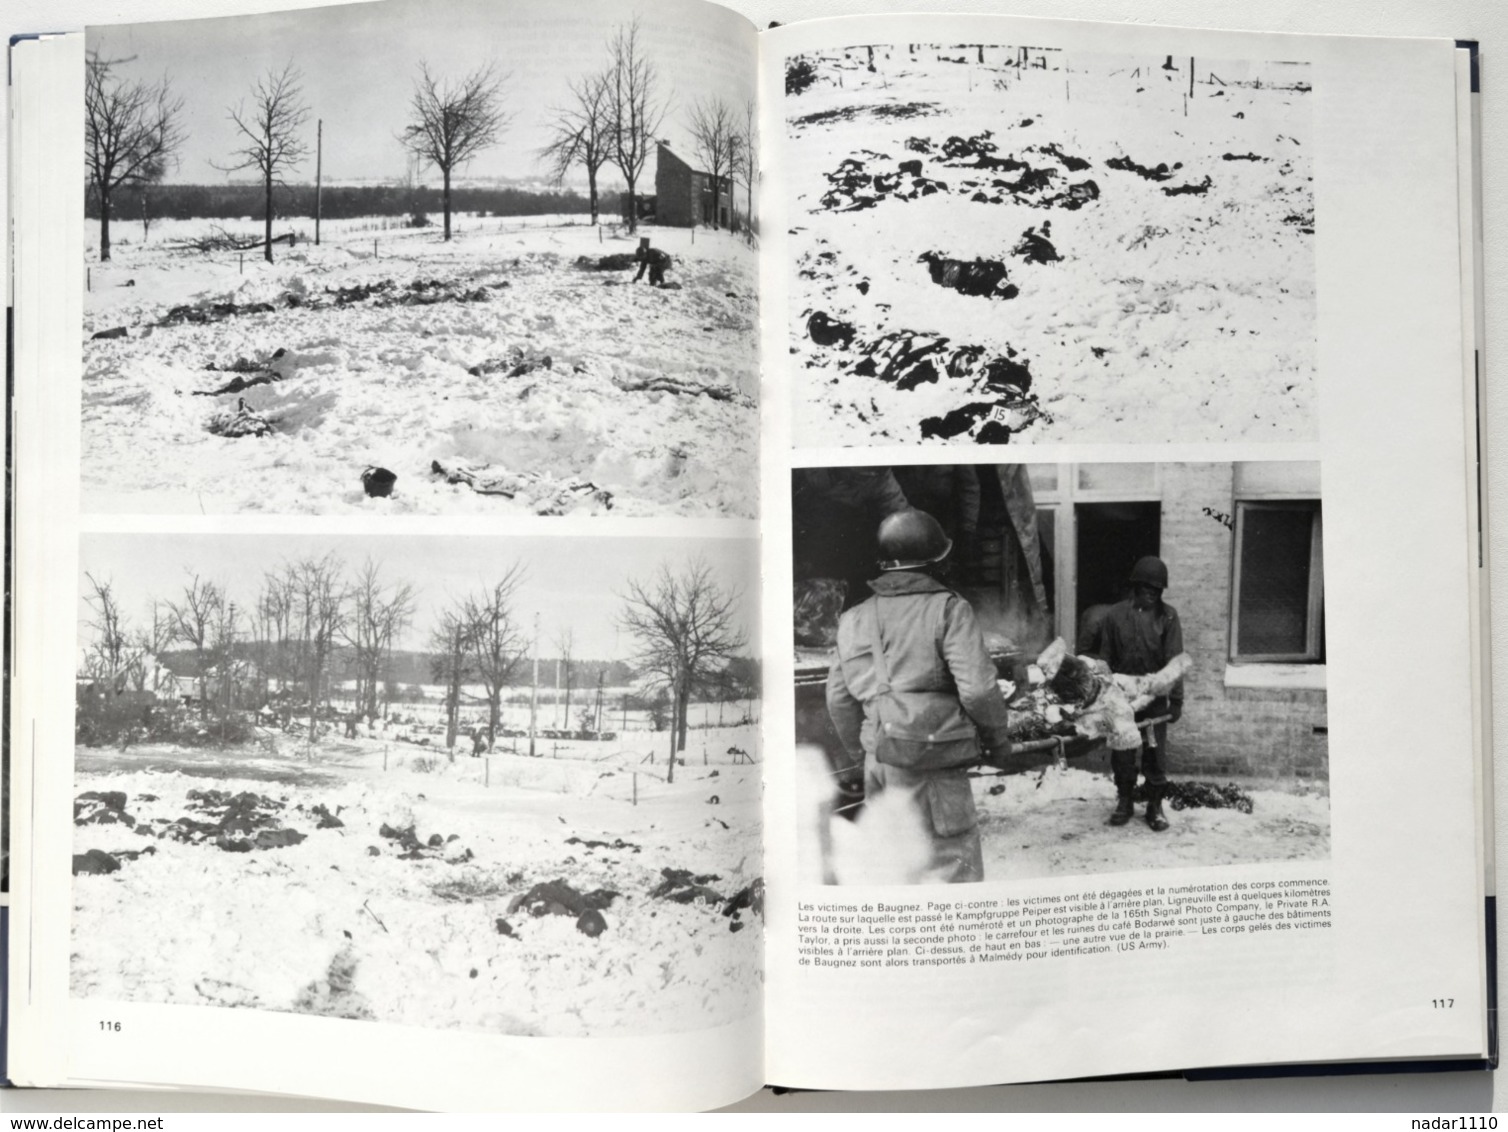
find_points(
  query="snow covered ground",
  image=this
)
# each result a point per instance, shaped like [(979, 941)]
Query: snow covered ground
[(1052, 822), (646, 405), (1103, 257), (421, 906)]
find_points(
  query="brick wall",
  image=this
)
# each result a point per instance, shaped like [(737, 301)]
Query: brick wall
[(1242, 731), (674, 201)]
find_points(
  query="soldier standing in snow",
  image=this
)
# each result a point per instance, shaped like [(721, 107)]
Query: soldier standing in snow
[(1137, 637), (652, 260), (913, 693)]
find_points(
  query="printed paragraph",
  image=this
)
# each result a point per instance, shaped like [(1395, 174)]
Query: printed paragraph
[(939, 933)]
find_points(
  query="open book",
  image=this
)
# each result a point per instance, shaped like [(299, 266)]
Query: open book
[(569, 558)]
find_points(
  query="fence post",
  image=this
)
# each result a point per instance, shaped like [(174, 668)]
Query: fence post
[(374, 247), (242, 264), (384, 756), (636, 787), (487, 770), (88, 278)]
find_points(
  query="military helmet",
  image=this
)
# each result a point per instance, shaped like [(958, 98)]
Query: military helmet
[(912, 538), (1149, 571)]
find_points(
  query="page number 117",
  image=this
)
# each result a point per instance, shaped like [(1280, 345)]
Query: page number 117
[(1443, 1003)]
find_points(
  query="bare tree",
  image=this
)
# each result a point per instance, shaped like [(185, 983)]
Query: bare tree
[(635, 108), (579, 134), (111, 639), (453, 122), (131, 134), (450, 664), (193, 621), (147, 644), (378, 614), (746, 163), (497, 641), (715, 133), (565, 642), (320, 608), (269, 132), (685, 627)]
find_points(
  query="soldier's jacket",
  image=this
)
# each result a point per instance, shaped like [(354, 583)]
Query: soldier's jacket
[(941, 700), (1139, 642)]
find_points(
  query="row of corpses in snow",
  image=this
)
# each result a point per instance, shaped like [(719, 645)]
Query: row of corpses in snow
[(1001, 404), (541, 493), (999, 384), (247, 822), (869, 178)]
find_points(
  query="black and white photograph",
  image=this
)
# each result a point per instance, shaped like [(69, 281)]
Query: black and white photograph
[(506, 785), (991, 242), (1009, 671), (387, 258)]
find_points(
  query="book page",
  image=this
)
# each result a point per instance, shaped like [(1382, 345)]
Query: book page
[(1212, 626), (392, 652)]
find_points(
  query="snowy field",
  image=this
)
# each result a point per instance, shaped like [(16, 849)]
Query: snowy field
[(1052, 822), (379, 881), (1070, 250), (588, 394)]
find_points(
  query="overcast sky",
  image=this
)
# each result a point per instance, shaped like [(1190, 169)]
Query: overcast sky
[(570, 582), (358, 62)]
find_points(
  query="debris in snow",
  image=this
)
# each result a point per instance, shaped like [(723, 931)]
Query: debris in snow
[(557, 898), (669, 385), (750, 898), (1160, 173), (680, 886), (515, 362), (1190, 190), (238, 383), (243, 422), (591, 924), (378, 482), (985, 278), (617, 261), (113, 332), (1194, 794), (1035, 247), (94, 807), (94, 862), (327, 820), (827, 331), (208, 312), (1242, 157), (544, 494), (615, 843)]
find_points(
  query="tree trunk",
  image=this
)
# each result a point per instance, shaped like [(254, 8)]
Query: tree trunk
[(267, 220), (633, 206), (494, 711), (591, 184), (670, 767), (683, 711), (452, 708), (447, 203), (104, 227)]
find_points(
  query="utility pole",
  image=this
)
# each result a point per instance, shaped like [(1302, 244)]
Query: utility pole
[(601, 672), (319, 162), (534, 688)]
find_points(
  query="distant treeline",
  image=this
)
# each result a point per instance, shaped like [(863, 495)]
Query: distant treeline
[(338, 202)]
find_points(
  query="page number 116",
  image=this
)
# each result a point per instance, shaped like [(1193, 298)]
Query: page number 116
[(1443, 1003)]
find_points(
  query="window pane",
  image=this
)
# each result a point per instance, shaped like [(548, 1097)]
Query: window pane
[(1136, 479), (1273, 613), (1286, 477), (1043, 477)]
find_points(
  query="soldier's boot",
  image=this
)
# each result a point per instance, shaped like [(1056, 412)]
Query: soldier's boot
[(1154, 819), (1125, 786)]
